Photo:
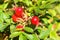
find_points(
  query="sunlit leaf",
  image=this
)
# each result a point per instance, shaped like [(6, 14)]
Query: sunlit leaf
[(14, 34), (35, 37), (29, 36), (12, 28), (44, 34), (22, 37), (53, 35), (52, 12), (28, 29)]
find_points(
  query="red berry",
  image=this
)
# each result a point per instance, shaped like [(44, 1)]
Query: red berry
[(19, 27), (35, 20), (19, 11), (15, 18)]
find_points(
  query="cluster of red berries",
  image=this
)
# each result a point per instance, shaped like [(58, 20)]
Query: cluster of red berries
[(19, 14)]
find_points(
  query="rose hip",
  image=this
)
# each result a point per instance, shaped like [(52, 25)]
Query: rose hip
[(35, 20), (19, 11)]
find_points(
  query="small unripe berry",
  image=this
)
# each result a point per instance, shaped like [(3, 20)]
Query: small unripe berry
[(19, 27)]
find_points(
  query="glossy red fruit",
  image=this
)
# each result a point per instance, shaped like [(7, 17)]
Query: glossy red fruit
[(35, 20), (15, 18), (19, 27), (19, 11)]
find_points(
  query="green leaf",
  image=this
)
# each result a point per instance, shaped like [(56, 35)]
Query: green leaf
[(53, 35), (35, 37), (52, 1), (5, 5), (22, 37), (1, 16), (3, 26), (14, 34), (1, 20), (31, 36), (37, 10), (45, 20), (57, 8), (52, 12), (28, 2), (9, 21), (50, 27), (11, 39), (6, 16), (57, 27), (12, 28), (28, 29), (44, 34), (30, 9), (46, 6), (16, 1), (9, 13), (39, 29), (28, 36), (49, 39), (1, 6), (39, 2)]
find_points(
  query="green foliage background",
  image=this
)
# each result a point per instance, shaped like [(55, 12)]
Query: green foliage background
[(46, 10)]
